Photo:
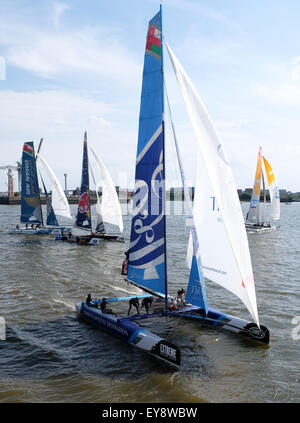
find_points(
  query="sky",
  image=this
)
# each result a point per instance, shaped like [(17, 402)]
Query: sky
[(71, 66)]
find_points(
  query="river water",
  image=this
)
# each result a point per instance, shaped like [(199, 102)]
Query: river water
[(50, 355)]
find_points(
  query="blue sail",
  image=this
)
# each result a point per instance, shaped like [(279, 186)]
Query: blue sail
[(83, 218), (51, 217), (147, 254), (31, 211), (196, 291)]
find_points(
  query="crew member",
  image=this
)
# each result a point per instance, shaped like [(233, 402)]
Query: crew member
[(180, 297), (90, 302), (135, 303), (147, 302), (125, 264), (103, 306)]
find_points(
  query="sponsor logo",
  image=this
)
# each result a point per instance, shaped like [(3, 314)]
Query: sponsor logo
[(84, 203), (167, 351)]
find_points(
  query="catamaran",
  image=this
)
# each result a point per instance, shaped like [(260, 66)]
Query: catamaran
[(220, 250), (31, 210), (108, 209), (255, 220)]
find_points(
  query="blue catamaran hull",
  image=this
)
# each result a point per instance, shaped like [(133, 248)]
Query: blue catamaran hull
[(39, 231), (223, 321), (125, 329)]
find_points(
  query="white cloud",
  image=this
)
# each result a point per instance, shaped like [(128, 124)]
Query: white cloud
[(61, 118), (83, 52), (280, 94)]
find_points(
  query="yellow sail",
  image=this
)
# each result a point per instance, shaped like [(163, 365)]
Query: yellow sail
[(274, 192), (269, 172), (257, 181)]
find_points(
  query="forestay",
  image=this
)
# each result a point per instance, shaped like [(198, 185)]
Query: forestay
[(231, 239)]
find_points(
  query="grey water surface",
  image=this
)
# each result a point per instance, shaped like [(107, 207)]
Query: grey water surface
[(50, 355)]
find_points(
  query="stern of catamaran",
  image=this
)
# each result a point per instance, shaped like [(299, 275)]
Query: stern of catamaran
[(219, 320)]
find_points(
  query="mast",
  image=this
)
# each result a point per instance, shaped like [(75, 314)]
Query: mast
[(164, 161), (147, 255)]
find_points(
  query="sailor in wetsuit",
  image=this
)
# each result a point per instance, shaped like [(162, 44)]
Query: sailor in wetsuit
[(125, 264), (89, 301), (103, 306), (147, 302), (134, 302), (180, 297)]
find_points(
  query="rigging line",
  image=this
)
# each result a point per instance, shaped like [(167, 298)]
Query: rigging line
[(172, 135), (178, 322)]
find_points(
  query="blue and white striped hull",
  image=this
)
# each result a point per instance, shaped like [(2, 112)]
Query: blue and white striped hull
[(128, 331)]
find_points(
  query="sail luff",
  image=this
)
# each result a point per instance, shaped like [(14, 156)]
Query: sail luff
[(220, 175)]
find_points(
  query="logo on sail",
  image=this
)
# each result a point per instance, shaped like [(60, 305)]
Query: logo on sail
[(28, 149), (84, 203), (153, 45)]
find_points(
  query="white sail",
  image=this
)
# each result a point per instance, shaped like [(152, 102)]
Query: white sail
[(59, 200), (231, 239), (99, 224), (274, 192), (253, 213), (110, 208)]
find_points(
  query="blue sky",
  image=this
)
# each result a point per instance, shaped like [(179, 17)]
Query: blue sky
[(76, 65)]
